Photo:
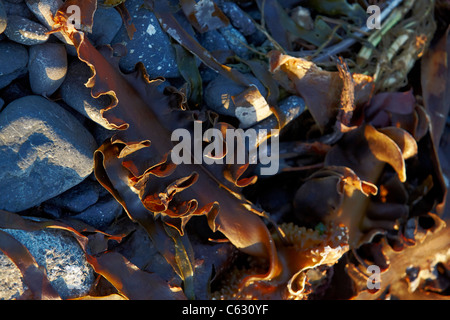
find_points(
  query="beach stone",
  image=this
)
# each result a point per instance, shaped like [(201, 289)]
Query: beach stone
[(25, 31), (13, 62), (236, 41), (213, 40), (13, 57), (238, 18), (45, 151), (47, 67), (150, 44), (18, 9), (218, 93), (76, 95), (101, 214), (107, 22), (59, 253), (78, 198), (8, 78)]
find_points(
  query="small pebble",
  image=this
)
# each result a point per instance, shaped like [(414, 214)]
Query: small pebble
[(25, 31), (47, 67)]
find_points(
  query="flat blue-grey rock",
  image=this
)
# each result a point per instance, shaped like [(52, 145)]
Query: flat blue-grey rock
[(59, 254), (150, 44), (44, 150), (47, 67), (25, 31)]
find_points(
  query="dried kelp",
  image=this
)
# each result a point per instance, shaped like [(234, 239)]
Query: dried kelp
[(368, 179)]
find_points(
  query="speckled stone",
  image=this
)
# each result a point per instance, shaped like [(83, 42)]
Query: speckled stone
[(59, 253), (150, 44), (25, 31)]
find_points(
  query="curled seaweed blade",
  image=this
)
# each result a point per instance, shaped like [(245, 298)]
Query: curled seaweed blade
[(132, 282), (135, 165), (325, 92)]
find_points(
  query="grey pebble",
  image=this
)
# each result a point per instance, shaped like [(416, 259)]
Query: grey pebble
[(14, 60), (45, 151), (236, 41), (13, 57), (101, 214), (25, 31), (238, 18), (18, 9), (78, 198), (59, 253), (150, 44), (213, 40), (47, 67), (76, 95), (10, 77)]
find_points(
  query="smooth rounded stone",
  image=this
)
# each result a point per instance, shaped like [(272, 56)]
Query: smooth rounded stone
[(107, 22), (13, 62), (10, 77), (25, 31), (13, 57), (150, 44), (78, 198), (17, 89), (17, 9), (47, 67), (45, 151), (3, 17), (59, 253), (101, 214), (238, 18), (219, 92), (213, 40), (76, 95), (236, 41)]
